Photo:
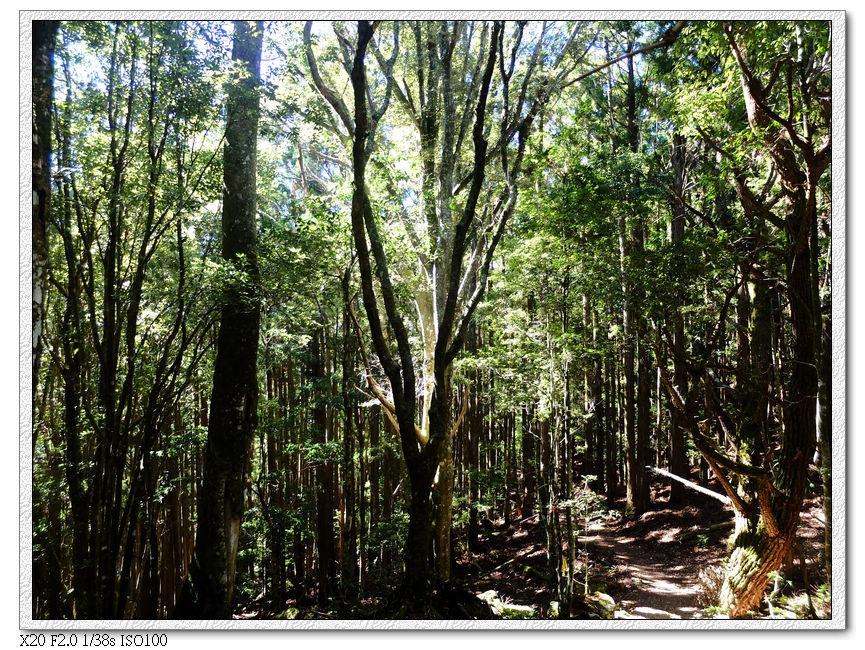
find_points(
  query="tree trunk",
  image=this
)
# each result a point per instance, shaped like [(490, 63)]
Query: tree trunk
[(678, 457), (444, 511), (234, 402), (471, 440), (349, 555), (275, 498), (529, 465), (761, 546), (323, 468), (759, 549), (823, 338), (628, 406), (599, 416), (642, 498), (72, 344), (44, 36), (613, 432), (418, 545)]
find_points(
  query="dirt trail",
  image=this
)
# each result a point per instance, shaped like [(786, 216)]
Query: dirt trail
[(649, 565), (655, 584), (655, 570), (643, 563), (654, 567)]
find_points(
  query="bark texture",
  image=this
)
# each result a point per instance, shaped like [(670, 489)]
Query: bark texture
[(234, 402), (44, 37)]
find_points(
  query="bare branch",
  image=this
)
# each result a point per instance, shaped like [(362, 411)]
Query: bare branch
[(332, 98), (668, 38)]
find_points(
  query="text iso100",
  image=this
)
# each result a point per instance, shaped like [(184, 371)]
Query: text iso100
[(94, 640), (143, 640)]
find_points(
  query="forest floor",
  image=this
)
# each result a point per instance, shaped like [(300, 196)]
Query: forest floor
[(654, 560), (649, 565), (642, 563)]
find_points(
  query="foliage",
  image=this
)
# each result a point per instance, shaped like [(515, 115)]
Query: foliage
[(625, 226)]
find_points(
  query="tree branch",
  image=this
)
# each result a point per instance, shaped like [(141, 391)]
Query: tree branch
[(332, 98), (668, 38)]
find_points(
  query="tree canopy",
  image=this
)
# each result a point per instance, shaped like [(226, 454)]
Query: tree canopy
[(323, 311)]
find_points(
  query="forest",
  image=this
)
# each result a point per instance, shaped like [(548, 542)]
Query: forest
[(405, 319)]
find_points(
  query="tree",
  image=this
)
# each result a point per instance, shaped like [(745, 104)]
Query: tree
[(450, 251), (44, 36), (801, 154), (234, 402), (469, 261), (115, 376), (781, 69), (427, 445)]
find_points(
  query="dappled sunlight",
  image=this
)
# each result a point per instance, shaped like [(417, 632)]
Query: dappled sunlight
[(474, 317)]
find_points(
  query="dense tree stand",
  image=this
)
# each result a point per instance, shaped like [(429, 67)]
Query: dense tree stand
[(433, 319)]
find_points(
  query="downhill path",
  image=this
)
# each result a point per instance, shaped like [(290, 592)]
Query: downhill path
[(644, 565), (655, 573)]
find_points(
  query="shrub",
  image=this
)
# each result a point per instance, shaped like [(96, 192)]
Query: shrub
[(710, 579)]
